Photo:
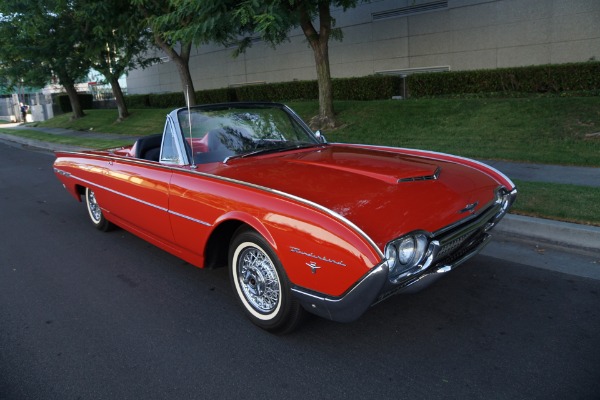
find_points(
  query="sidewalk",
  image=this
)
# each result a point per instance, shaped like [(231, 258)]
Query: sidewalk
[(563, 234), (59, 132), (582, 176)]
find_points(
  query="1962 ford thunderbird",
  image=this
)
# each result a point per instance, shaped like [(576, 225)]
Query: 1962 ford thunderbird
[(302, 224)]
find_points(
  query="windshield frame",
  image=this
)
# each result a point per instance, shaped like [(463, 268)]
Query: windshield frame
[(306, 138)]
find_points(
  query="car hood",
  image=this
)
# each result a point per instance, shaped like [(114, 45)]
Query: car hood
[(384, 193)]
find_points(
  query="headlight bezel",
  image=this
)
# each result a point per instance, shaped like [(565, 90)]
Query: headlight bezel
[(414, 260), (505, 199)]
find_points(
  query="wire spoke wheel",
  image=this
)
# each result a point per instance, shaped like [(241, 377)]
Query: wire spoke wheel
[(95, 212), (93, 207), (261, 285), (258, 280)]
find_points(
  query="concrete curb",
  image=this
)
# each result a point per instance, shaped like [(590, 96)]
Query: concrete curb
[(564, 234)]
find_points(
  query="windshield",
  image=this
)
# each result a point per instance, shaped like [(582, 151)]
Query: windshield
[(226, 132)]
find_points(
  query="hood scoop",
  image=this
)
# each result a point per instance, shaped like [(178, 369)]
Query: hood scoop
[(431, 177), (383, 166)]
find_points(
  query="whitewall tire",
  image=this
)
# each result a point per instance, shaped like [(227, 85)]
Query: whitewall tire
[(95, 212), (260, 283)]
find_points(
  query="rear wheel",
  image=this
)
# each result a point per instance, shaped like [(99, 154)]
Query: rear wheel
[(261, 285), (95, 212)]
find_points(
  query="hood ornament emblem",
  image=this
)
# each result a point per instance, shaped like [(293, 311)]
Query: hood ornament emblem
[(470, 208)]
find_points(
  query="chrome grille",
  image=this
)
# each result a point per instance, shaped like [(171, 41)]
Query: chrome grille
[(448, 248), (455, 240)]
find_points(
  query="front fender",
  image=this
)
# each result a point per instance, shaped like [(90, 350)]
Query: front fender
[(318, 248), (250, 220)]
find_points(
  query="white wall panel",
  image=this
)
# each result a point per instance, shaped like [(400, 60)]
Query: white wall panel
[(465, 35)]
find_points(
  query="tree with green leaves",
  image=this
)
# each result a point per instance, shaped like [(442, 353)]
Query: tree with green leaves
[(227, 20), (178, 51), (116, 41), (274, 19), (40, 41)]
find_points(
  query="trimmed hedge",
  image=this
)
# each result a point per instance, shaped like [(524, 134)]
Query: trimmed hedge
[(283, 91), (137, 101), (374, 87), (215, 96), (85, 100), (166, 100), (552, 79), (176, 99), (545, 79)]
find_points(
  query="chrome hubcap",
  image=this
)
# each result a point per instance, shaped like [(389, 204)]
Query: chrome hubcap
[(258, 280), (94, 207)]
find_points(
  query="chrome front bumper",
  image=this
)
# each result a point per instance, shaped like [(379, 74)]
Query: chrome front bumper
[(457, 245), (373, 288)]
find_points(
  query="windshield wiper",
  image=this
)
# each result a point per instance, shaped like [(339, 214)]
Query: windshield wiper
[(273, 150)]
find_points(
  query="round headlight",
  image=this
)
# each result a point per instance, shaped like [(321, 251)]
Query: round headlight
[(408, 255), (406, 250), (391, 254)]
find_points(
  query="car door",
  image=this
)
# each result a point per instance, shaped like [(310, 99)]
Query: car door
[(139, 195)]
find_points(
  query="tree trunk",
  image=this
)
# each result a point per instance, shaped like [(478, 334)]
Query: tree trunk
[(182, 61), (186, 80), (74, 100), (326, 118), (119, 98), (319, 42)]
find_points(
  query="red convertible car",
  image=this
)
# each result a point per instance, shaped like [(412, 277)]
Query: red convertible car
[(301, 224)]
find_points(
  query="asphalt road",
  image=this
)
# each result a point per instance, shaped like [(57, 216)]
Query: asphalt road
[(91, 315)]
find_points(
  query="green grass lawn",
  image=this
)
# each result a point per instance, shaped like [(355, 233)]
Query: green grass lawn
[(68, 140), (537, 130), (550, 130), (571, 203), (140, 122)]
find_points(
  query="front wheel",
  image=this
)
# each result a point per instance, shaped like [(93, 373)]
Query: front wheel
[(261, 285), (95, 212)]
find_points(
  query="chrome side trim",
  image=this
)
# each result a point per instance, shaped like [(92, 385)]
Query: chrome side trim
[(61, 172), (189, 218), (138, 200), (113, 158), (301, 200), (120, 194)]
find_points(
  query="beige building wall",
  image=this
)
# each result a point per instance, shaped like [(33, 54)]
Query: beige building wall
[(401, 36)]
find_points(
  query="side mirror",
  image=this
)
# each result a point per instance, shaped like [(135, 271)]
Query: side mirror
[(321, 137)]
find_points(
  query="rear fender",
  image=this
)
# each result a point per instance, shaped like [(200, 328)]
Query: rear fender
[(69, 184)]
